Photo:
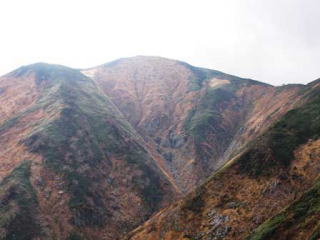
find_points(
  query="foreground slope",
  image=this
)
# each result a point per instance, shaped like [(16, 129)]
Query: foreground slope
[(271, 173), (193, 119), (298, 221), (71, 166)]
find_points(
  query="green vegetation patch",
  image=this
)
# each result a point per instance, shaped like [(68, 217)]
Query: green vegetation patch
[(205, 121), (206, 117), (87, 133), (69, 144), (276, 147), (18, 205), (315, 235), (296, 217), (148, 184), (195, 202), (75, 236)]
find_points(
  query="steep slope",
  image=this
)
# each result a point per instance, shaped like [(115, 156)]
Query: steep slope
[(192, 118), (71, 166), (271, 173), (299, 221)]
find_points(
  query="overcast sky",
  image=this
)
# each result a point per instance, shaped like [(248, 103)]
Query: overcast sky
[(275, 41)]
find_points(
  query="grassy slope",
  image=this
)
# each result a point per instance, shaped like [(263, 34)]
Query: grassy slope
[(206, 122), (274, 149), (300, 217), (295, 128)]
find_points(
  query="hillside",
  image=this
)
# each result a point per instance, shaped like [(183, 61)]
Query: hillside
[(71, 165), (193, 119), (148, 148), (276, 170)]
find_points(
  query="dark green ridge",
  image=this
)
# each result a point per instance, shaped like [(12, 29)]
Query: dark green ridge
[(75, 236), (19, 206), (274, 149), (206, 119), (88, 132)]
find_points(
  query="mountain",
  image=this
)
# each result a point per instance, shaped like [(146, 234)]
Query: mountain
[(154, 148), (268, 191), (71, 165), (193, 119)]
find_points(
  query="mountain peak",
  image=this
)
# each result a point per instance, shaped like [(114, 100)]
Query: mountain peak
[(140, 60), (96, 156), (47, 72), (34, 67)]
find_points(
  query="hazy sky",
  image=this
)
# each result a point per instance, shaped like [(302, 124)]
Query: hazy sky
[(275, 41)]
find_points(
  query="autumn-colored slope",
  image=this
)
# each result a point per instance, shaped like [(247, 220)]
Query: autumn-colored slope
[(72, 166), (92, 154), (272, 172), (194, 118)]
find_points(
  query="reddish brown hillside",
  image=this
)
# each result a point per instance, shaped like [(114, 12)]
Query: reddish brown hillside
[(275, 170), (71, 166), (194, 118), (93, 154)]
